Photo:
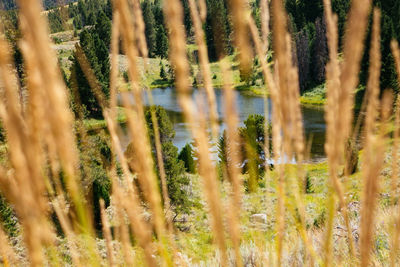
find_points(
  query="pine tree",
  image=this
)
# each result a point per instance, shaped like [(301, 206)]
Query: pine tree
[(303, 58), (78, 22), (150, 23), (97, 56), (161, 42), (174, 167), (187, 20), (186, 155), (103, 28), (163, 74), (217, 29), (252, 139), (103, 62), (319, 51)]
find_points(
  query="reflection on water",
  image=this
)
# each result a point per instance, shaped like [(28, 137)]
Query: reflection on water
[(313, 119)]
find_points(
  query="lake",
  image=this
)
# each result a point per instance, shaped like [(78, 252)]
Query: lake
[(313, 118)]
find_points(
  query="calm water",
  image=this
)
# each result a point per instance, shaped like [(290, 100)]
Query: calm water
[(313, 119)]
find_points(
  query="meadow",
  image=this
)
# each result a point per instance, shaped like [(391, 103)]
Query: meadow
[(72, 195)]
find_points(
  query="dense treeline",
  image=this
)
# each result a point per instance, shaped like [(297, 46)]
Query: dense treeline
[(95, 44), (48, 4), (306, 22), (308, 26)]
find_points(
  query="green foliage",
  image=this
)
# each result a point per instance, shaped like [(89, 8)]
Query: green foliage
[(95, 43), (48, 4), (150, 25), (55, 21), (186, 155), (307, 22), (308, 185), (224, 154), (7, 217), (88, 12), (95, 155), (252, 143), (103, 28), (2, 133), (252, 155), (163, 74), (217, 29), (161, 42), (176, 178)]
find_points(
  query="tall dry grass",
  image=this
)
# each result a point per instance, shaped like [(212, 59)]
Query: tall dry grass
[(42, 144)]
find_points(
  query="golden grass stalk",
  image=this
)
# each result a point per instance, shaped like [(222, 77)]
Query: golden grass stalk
[(265, 18), (144, 51), (352, 53), (177, 54), (232, 143), (115, 34), (240, 12), (335, 137), (134, 210), (396, 134), (286, 114), (60, 210), (205, 66), (277, 139), (372, 166), (136, 124), (298, 141), (202, 10), (6, 251), (374, 147), (107, 234), (395, 171), (374, 77), (277, 156), (61, 117), (60, 120), (122, 230), (26, 172), (140, 29)]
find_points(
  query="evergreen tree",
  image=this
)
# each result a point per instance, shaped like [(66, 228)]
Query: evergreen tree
[(150, 24), (252, 146), (161, 42), (174, 167), (103, 62), (103, 28), (108, 9), (217, 29), (319, 53), (55, 21), (187, 19), (163, 74), (303, 58), (83, 12), (95, 159), (341, 8), (186, 155), (97, 55), (78, 22)]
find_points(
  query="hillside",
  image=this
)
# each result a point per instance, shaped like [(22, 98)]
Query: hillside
[(48, 4), (132, 136)]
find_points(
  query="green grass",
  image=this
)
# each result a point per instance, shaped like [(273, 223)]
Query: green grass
[(314, 96), (95, 124)]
